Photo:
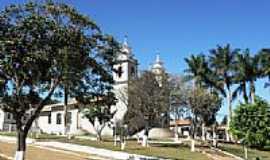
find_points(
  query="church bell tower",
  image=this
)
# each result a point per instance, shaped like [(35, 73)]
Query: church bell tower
[(126, 69)]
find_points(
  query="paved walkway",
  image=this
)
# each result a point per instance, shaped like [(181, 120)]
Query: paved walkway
[(45, 153), (217, 155), (97, 151)]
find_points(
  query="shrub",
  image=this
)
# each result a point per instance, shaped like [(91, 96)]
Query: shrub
[(251, 123)]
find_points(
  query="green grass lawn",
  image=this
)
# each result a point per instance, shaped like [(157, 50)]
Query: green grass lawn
[(176, 152), (163, 151), (252, 153), (10, 134)]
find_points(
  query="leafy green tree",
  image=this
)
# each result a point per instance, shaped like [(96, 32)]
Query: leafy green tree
[(178, 99), (251, 123), (34, 52), (178, 96), (149, 101), (74, 66), (98, 109), (204, 106)]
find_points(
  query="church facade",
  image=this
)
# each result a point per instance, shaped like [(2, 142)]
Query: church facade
[(51, 120)]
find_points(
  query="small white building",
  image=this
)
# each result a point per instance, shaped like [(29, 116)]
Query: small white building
[(51, 119), (7, 122)]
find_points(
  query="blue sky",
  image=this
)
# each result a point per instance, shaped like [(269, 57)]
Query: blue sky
[(177, 28)]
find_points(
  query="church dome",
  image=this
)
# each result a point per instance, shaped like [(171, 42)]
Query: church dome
[(157, 67), (125, 47)]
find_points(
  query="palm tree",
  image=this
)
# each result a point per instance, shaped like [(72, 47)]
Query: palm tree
[(255, 73), (197, 70), (222, 61), (247, 70), (264, 65), (243, 69)]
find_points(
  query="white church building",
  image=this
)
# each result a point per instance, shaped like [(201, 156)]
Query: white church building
[(51, 118)]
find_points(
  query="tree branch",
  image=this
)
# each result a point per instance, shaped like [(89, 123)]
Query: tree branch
[(40, 106)]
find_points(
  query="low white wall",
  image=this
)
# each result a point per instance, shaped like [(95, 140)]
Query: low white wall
[(2, 116)]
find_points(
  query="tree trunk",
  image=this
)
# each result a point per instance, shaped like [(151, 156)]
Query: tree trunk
[(214, 137), (145, 138), (203, 131), (38, 131), (245, 95), (99, 138), (21, 145), (176, 133), (123, 145), (192, 145), (114, 136), (194, 127), (229, 101), (115, 140), (138, 139), (65, 109), (246, 152), (252, 92), (175, 125), (123, 142)]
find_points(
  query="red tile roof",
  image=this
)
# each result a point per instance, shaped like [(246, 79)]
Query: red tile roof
[(181, 122)]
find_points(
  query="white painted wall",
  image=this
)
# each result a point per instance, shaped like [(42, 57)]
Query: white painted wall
[(85, 125), (54, 128), (79, 124), (2, 117), (120, 90)]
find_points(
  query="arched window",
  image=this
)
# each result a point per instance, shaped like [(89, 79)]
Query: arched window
[(9, 116), (58, 118), (120, 71), (50, 118)]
